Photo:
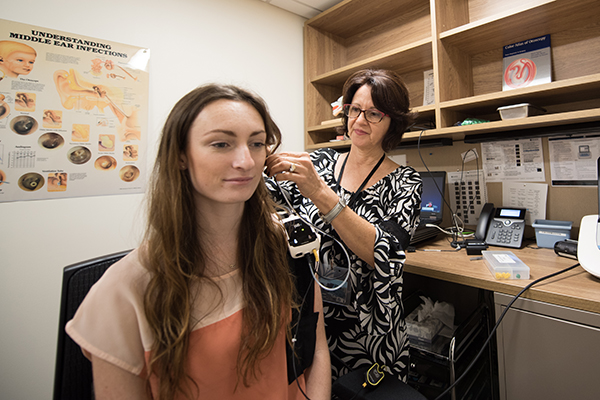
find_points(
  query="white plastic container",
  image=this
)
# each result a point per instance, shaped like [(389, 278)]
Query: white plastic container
[(505, 265), (522, 110)]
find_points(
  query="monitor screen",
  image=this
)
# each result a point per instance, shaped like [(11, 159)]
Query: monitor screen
[(432, 199)]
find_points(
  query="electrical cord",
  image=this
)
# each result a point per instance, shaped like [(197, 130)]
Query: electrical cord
[(439, 250), (456, 220), (349, 369), (454, 216), (462, 170), (357, 393), (296, 335), (460, 233), (489, 338), (292, 210), (464, 234), (427, 168)]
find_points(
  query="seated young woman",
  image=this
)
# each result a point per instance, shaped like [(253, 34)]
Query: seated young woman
[(202, 309)]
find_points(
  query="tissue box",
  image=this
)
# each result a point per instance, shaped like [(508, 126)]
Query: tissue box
[(425, 330), (548, 232)]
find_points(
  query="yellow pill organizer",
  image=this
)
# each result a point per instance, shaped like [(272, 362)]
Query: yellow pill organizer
[(505, 265)]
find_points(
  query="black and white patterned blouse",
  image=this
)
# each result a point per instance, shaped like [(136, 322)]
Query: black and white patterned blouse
[(371, 328)]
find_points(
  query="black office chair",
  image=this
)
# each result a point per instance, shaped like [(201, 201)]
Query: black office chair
[(73, 373)]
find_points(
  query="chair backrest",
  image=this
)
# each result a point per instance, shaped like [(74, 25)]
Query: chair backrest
[(73, 373)]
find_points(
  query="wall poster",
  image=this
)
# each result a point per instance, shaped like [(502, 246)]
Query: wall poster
[(73, 115)]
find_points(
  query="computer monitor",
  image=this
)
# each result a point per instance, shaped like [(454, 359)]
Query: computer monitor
[(432, 205)]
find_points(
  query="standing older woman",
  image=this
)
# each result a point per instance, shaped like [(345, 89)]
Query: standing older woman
[(202, 309), (372, 204)]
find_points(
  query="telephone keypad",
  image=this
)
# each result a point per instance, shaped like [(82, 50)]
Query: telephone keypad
[(506, 232)]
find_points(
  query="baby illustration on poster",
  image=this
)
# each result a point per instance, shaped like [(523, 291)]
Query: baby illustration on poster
[(16, 58), (73, 115)]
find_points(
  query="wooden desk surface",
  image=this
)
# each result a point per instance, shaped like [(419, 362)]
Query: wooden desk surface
[(576, 288)]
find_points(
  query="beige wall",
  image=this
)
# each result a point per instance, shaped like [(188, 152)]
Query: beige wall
[(564, 203), (245, 42)]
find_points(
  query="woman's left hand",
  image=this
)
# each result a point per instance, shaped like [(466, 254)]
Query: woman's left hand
[(298, 168)]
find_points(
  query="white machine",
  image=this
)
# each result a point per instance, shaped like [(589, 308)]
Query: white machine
[(588, 246)]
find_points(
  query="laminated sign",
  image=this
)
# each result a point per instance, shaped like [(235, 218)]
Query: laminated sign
[(73, 115)]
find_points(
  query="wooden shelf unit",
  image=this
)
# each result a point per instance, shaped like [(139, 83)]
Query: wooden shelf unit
[(462, 41)]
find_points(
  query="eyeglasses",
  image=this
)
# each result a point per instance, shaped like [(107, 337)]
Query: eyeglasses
[(373, 116)]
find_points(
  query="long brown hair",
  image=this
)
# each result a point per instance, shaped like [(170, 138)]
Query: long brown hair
[(390, 96), (175, 260)]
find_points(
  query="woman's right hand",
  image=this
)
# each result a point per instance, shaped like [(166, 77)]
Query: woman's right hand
[(357, 233)]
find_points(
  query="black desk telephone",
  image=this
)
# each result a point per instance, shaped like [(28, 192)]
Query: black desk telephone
[(498, 227), (501, 226)]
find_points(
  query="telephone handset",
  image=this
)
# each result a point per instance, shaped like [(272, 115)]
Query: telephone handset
[(477, 244), (487, 213), (501, 226)]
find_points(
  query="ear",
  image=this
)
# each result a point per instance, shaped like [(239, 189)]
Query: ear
[(183, 164)]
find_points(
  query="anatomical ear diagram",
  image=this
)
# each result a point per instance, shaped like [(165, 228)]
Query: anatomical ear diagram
[(76, 94)]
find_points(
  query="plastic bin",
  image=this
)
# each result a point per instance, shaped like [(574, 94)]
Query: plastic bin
[(548, 232), (505, 265), (522, 110)]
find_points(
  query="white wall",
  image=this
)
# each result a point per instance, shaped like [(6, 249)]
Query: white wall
[(245, 42)]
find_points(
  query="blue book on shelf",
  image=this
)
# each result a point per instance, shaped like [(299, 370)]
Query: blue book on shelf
[(527, 63)]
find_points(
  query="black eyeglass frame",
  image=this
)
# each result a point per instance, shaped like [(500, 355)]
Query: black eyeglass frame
[(346, 109)]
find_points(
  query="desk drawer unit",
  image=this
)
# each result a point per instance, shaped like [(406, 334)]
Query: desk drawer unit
[(547, 351)]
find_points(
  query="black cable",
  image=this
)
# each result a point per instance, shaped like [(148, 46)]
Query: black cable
[(427, 168), (296, 334), (498, 324), (357, 393), (463, 170), (342, 361), (349, 369), (452, 212), (292, 211), (455, 241)]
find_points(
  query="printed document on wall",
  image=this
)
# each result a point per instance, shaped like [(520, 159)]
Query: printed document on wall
[(573, 160), (530, 196), (513, 160)]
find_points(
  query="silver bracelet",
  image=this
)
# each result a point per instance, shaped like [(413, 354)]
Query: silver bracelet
[(335, 211)]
